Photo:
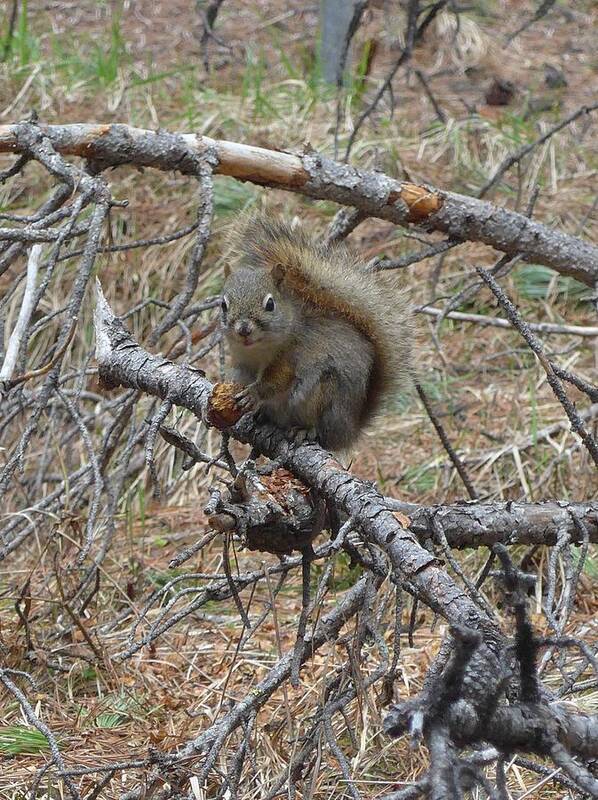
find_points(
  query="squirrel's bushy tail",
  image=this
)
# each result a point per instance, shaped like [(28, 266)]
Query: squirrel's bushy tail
[(331, 280)]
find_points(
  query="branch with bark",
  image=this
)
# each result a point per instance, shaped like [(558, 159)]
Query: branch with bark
[(312, 174), (462, 706)]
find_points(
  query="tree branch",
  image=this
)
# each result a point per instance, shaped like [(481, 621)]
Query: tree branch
[(312, 174), (485, 524)]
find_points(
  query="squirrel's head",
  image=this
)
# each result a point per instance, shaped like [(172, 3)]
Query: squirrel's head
[(255, 314)]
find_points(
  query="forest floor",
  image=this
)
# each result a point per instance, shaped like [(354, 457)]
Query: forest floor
[(141, 63)]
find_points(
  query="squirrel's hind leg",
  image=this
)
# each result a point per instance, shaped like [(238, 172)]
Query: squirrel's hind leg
[(325, 408), (303, 435), (337, 428)]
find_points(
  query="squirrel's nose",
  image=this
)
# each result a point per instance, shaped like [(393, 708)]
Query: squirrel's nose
[(244, 328)]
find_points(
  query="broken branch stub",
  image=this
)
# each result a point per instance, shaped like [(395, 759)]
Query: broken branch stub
[(222, 409), (273, 513)]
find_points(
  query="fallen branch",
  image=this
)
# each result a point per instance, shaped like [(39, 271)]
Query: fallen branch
[(458, 216), (462, 703), (485, 524)]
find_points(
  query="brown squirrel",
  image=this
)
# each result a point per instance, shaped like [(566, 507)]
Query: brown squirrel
[(318, 342)]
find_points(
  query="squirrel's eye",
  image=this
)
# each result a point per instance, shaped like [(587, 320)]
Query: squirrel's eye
[(224, 305), (268, 303)]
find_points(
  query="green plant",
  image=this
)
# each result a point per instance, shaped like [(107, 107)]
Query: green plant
[(358, 82), (537, 282), (253, 80), (119, 709), (23, 46), (231, 196), (19, 740), (344, 576), (105, 63)]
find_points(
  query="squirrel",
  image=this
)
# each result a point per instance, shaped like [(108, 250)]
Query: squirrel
[(317, 341)]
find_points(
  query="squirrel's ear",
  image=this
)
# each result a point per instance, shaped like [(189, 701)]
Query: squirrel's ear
[(277, 273)]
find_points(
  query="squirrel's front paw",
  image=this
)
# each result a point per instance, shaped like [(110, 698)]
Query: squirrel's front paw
[(247, 399)]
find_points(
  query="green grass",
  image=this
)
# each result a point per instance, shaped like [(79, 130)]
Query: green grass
[(93, 62), (117, 714), (116, 710), (159, 578), (106, 63), (19, 740), (231, 196), (343, 576), (253, 91), (590, 565), (419, 479), (537, 282), (25, 46)]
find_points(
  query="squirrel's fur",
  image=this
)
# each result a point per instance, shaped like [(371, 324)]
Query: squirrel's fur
[(353, 326)]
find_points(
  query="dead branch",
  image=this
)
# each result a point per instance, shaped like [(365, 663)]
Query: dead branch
[(312, 174), (462, 703), (497, 322), (414, 31), (553, 372), (208, 15), (517, 155), (540, 12), (442, 435), (20, 329), (484, 524)]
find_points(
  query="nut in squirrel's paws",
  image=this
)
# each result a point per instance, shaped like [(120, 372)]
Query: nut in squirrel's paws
[(223, 410)]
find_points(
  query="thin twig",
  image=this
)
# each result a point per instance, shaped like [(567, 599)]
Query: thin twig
[(499, 322), (514, 158), (540, 12), (437, 110), (457, 463)]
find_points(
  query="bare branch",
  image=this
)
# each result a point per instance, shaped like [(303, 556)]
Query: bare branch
[(16, 338), (498, 322), (551, 370), (484, 524)]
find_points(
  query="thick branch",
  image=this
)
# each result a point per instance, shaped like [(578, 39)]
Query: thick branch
[(485, 524), (519, 727), (458, 216)]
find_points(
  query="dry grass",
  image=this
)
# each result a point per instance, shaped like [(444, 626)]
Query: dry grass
[(139, 63)]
